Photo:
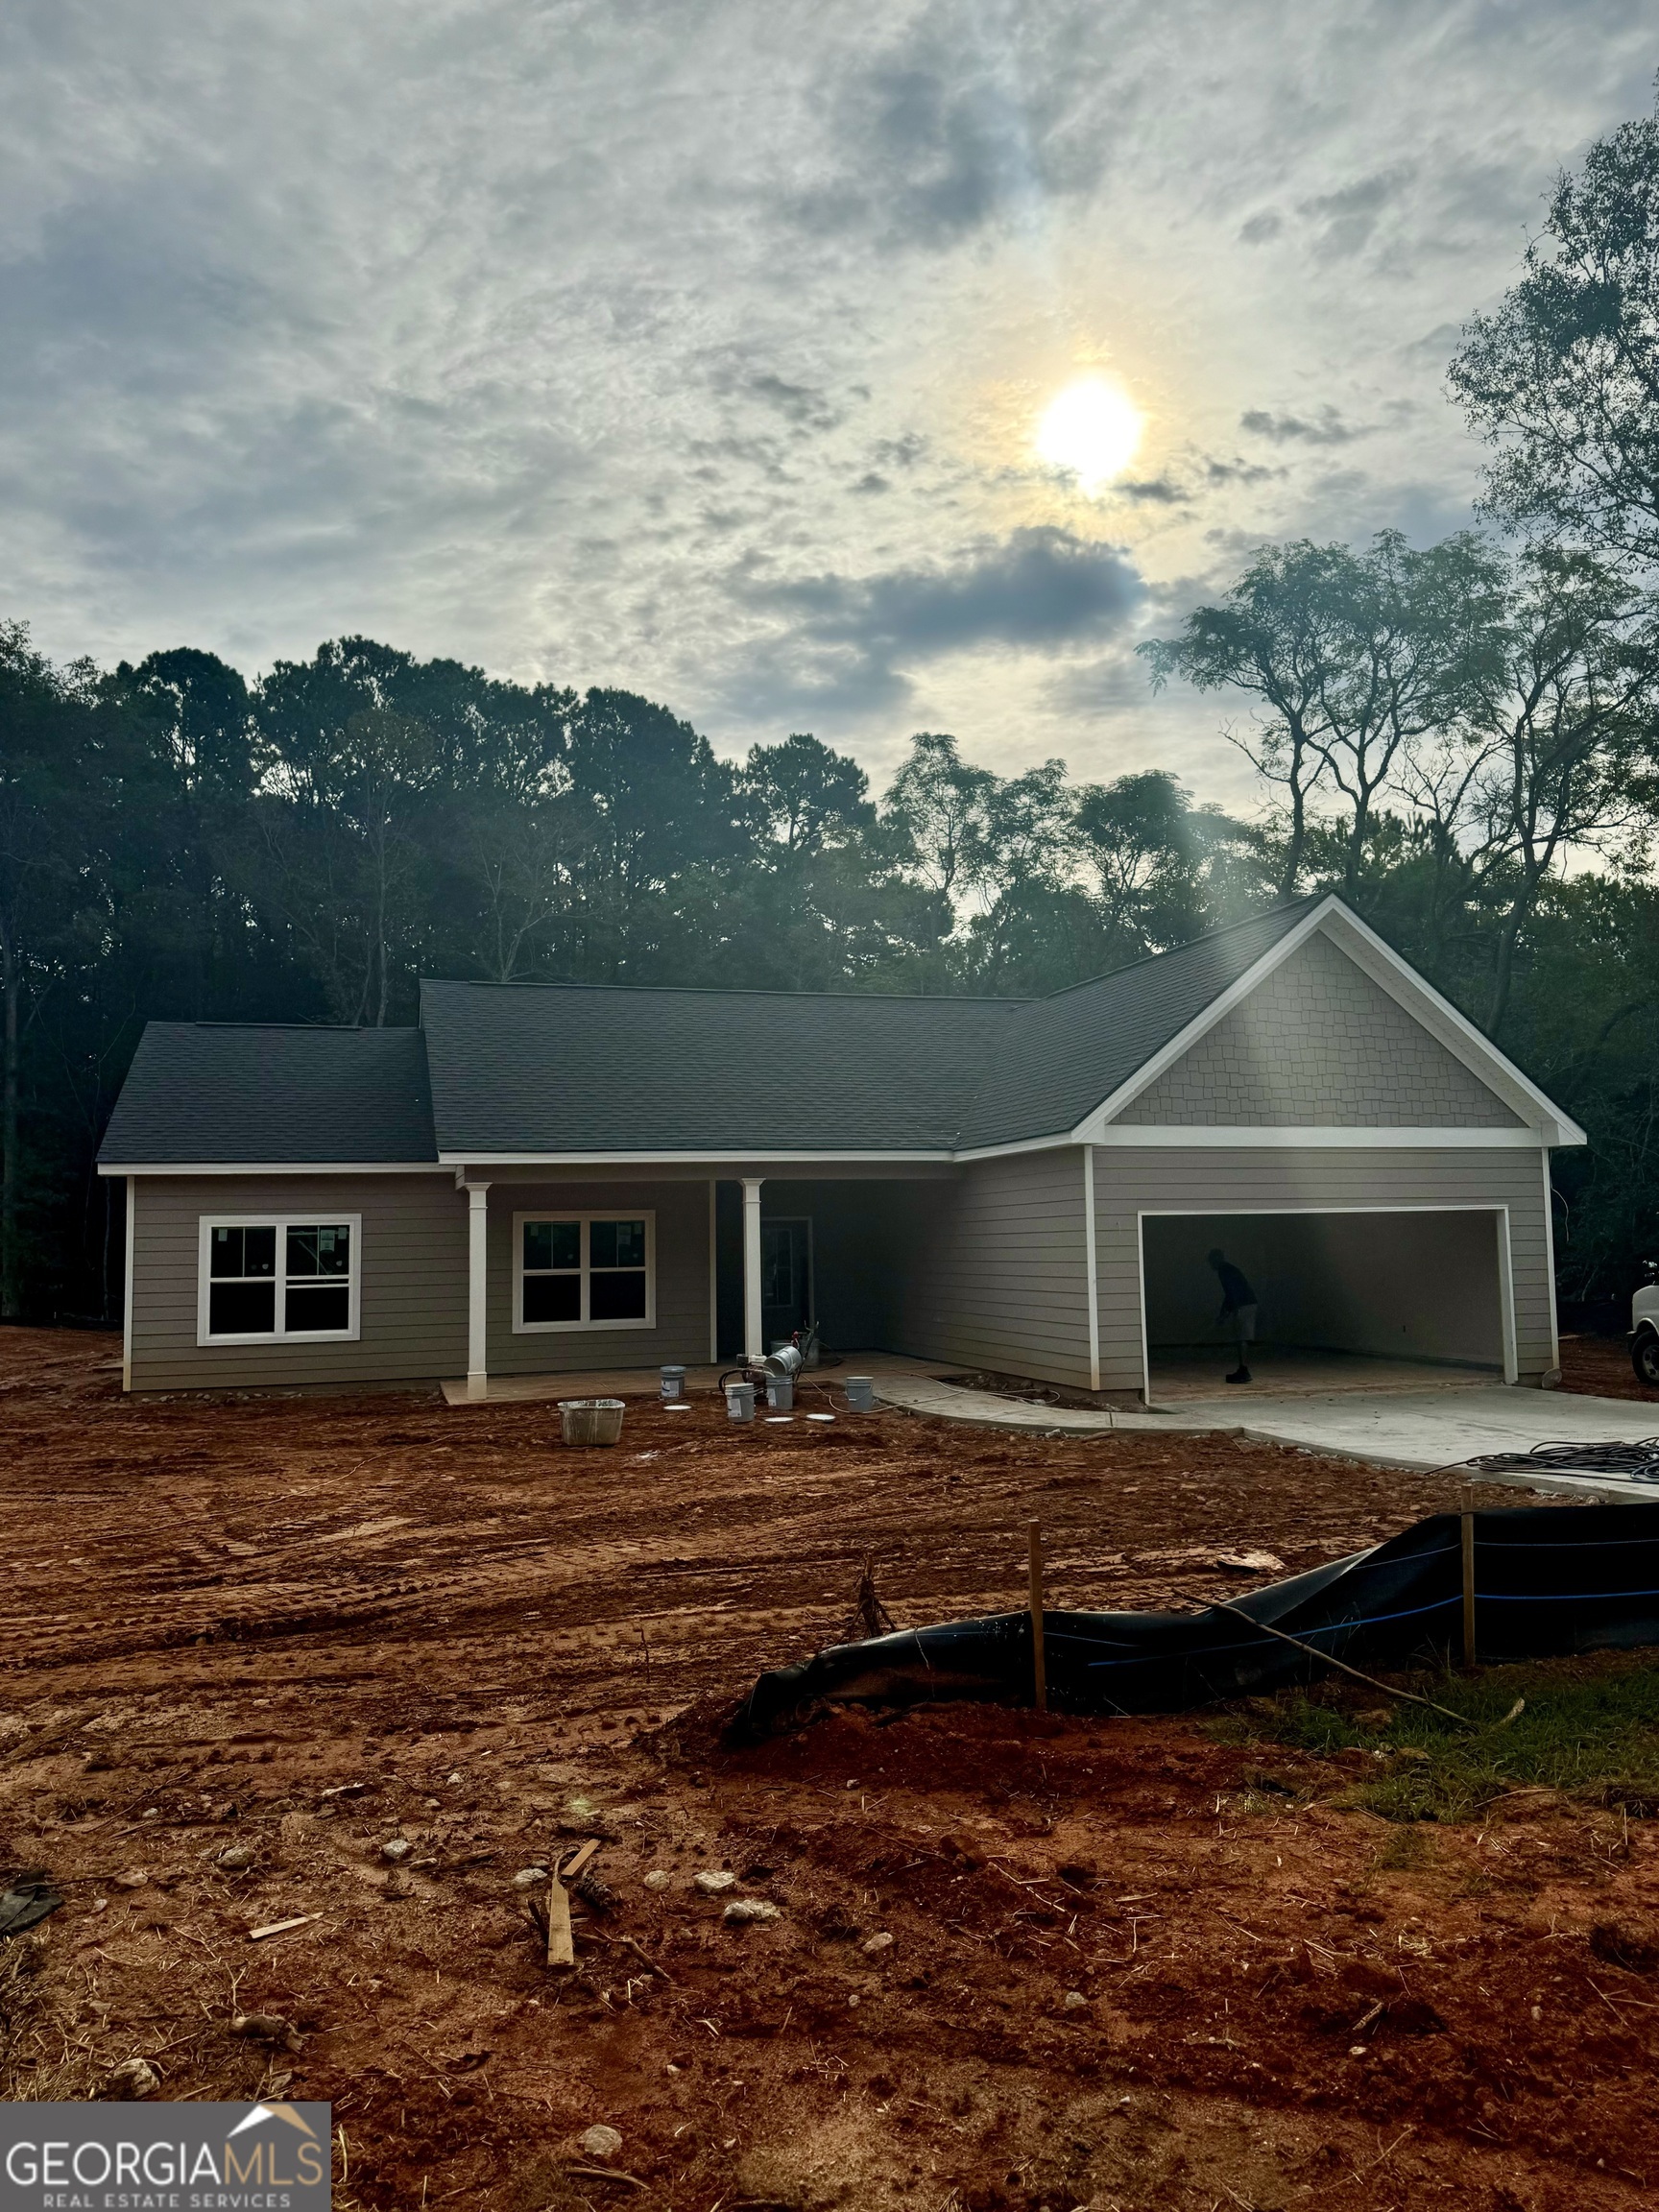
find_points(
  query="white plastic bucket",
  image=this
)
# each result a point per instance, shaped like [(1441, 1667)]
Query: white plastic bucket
[(861, 1393), (740, 1400), (672, 1381)]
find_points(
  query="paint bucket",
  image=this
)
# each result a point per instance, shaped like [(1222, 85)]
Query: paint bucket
[(861, 1393), (740, 1400), (780, 1393), (590, 1420), (672, 1381)]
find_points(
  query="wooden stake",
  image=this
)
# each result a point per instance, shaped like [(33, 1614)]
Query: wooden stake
[(1468, 1589), (561, 1942), (1039, 1658)]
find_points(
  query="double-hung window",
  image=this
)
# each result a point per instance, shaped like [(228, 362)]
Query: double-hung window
[(583, 1271), (266, 1279)]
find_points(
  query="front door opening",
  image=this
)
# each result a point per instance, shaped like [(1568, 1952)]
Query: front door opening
[(786, 1279), (1344, 1299)]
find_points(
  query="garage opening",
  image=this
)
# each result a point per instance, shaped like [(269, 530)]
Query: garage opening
[(1361, 1300)]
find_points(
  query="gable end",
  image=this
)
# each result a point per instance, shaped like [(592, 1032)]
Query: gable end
[(1318, 1045)]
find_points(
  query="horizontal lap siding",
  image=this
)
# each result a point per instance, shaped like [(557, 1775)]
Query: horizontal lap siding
[(682, 1329), (1242, 1180), (413, 1259), (990, 1270)]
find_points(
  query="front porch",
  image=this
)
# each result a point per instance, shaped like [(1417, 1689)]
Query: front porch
[(642, 1382), (582, 1288)]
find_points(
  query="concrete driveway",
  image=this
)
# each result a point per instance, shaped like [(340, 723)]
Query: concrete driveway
[(1420, 1429), (1430, 1429)]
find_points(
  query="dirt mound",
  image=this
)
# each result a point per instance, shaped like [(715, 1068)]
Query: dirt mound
[(1016, 1960)]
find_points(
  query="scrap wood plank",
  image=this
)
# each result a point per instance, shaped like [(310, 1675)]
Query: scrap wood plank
[(560, 1941), (578, 1859), (281, 1927)]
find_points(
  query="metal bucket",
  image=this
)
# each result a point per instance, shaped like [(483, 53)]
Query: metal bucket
[(780, 1393), (784, 1362), (672, 1381), (861, 1393), (590, 1420), (740, 1400)]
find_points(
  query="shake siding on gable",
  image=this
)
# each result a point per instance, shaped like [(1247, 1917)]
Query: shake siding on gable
[(1234, 1179), (990, 1269), (413, 1281), (1318, 1043)]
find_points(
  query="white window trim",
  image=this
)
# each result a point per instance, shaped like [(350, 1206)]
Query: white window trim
[(523, 1328), (325, 1217)]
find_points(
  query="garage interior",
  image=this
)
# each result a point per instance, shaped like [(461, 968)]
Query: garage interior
[(1357, 1300)]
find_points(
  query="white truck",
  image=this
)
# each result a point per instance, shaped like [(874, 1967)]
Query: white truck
[(1645, 1334)]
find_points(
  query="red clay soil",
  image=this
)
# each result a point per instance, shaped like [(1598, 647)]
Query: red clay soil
[(1131, 1967), (1600, 1367)]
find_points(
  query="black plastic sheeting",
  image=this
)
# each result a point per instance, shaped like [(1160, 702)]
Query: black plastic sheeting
[(1549, 1581)]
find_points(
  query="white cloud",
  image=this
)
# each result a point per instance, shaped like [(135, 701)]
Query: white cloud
[(599, 341)]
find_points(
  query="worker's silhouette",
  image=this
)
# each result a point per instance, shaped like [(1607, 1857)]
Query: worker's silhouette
[(1237, 1306)]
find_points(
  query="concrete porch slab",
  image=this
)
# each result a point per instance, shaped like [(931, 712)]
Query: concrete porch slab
[(644, 1381)]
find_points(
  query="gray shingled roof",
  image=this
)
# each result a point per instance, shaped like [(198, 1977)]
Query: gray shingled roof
[(221, 1092), (1075, 1049), (565, 1067), (578, 1068), (557, 1068)]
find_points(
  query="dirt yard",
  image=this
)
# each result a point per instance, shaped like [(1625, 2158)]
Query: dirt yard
[(1016, 1962)]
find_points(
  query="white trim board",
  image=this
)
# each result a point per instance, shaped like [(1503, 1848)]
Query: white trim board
[(127, 1270), (1090, 1263), (1545, 1121), (1129, 1136), (732, 1161), (278, 1168)]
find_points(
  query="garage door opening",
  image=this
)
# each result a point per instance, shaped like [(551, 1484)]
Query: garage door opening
[(1407, 1300)]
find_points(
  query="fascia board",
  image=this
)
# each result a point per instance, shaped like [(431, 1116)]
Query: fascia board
[(1455, 1031), (272, 1168), (724, 1158), (1048, 1144), (1547, 1123), (1312, 1136)]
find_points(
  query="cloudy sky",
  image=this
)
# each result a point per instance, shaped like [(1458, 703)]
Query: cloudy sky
[(700, 346)]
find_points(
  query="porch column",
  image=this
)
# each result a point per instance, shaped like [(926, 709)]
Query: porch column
[(754, 1345), (477, 1283)]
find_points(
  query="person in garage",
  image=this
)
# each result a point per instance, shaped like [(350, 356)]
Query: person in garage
[(1238, 1311)]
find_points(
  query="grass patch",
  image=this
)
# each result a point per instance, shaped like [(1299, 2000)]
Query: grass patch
[(1590, 1729)]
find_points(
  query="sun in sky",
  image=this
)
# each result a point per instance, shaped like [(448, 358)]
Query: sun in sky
[(1091, 429)]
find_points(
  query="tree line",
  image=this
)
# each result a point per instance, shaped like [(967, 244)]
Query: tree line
[(1462, 738)]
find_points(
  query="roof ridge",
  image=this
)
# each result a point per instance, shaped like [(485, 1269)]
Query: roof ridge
[(1203, 937), (738, 990)]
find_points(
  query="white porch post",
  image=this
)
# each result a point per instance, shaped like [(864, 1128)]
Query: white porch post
[(477, 1286), (753, 1344)]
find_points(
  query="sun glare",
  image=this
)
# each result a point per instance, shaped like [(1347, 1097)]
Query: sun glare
[(1091, 429)]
